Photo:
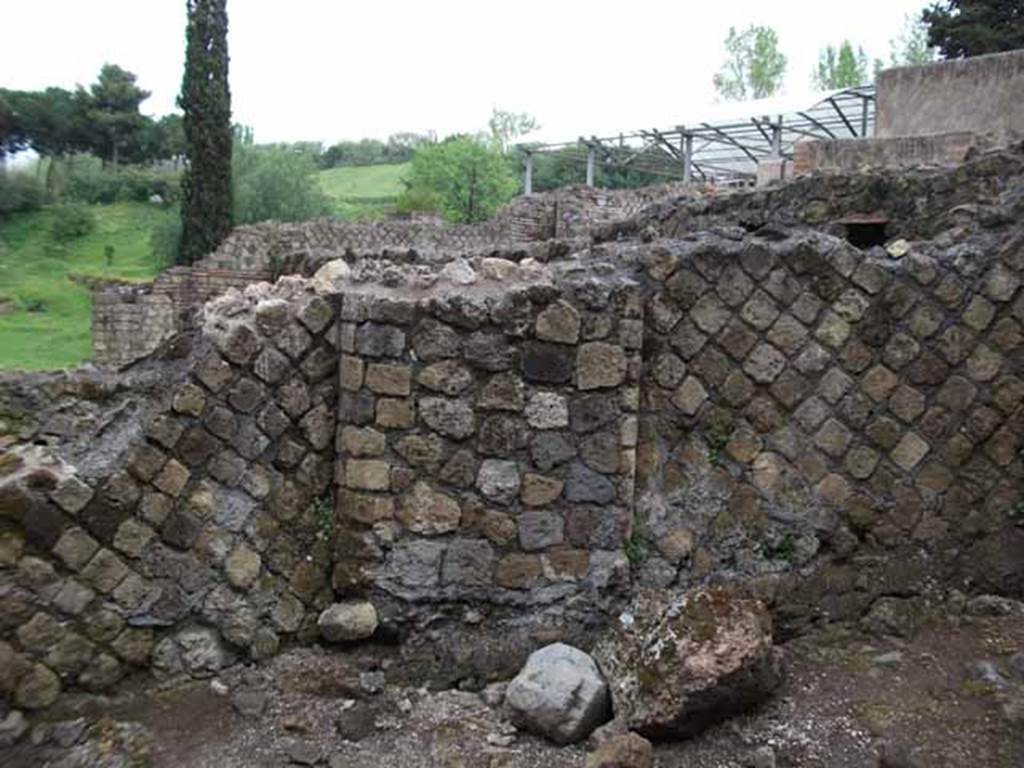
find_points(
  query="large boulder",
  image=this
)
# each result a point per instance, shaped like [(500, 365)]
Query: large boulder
[(559, 694), (676, 664)]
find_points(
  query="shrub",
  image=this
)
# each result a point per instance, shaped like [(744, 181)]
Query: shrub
[(70, 221), (165, 241), (19, 192), (275, 183), (90, 183), (467, 175)]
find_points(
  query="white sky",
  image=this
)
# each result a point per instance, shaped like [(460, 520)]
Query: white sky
[(327, 70)]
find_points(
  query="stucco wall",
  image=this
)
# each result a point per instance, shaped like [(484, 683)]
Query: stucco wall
[(984, 94)]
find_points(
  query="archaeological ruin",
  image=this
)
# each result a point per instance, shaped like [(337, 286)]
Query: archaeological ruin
[(802, 403)]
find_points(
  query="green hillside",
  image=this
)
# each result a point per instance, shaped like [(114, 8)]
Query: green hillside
[(46, 321), (364, 193)]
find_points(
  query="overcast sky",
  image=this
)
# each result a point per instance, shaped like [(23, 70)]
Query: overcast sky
[(323, 70)]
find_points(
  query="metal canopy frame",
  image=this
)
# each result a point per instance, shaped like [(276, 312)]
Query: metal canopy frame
[(723, 152)]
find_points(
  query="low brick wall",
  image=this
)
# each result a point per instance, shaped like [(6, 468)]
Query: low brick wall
[(130, 323)]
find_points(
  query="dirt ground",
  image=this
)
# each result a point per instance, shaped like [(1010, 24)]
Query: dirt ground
[(951, 695)]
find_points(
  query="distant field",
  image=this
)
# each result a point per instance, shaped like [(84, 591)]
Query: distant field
[(365, 192), (34, 274)]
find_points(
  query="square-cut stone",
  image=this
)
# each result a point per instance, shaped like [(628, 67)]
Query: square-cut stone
[(834, 385), (833, 438), (811, 413), (979, 313), (765, 363), (690, 396), (925, 320), (984, 363), (350, 373), (71, 495), (957, 393), (389, 379), (760, 311), (75, 547), (878, 382), (907, 403), (172, 478), (861, 462), (851, 305), (833, 330), (394, 413), (788, 334), (1001, 283), (710, 314), (909, 451), (600, 365)]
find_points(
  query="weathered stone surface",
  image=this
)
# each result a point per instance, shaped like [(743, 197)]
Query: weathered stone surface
[(243, 567), (559, 322), (468, 562), (389, 379), (627, 750), (540, 530), (38, 688), (551, 449), (539, 490), (435, 341), (489, 351), (678, 664), (202, 652), (559, 694), (584, 485), (547, 410), (453, 418), (503, 392), (377, 340), (348, 621), (71, 495), (502, 435), (447, 377), (547, 363), (600, 365), (429, 512), (361, 441), (367, 474), (498, 480)]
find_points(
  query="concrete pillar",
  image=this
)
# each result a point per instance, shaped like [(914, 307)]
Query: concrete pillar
[(777, 138), (590, 167), (528, 175)]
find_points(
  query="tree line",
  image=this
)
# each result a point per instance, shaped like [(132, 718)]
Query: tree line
[(755, 66), (103, 120)]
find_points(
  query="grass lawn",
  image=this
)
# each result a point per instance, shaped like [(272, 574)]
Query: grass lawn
[(34, 274), (364, 193)]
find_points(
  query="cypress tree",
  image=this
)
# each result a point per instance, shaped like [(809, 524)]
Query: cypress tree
[(206, 102)]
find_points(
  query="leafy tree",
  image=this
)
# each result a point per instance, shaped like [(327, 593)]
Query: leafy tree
[(506, 126), (206, 101), (274, 182), (755, 68), (467, 177), (841, 68), (12, 134), (911, 46), (114, 111), (960, 28), (165, 138)]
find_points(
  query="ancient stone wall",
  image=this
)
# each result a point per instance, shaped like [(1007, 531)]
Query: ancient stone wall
[(717, 389), (487, 440), (204, 539), (130, 323), (801, 397)]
